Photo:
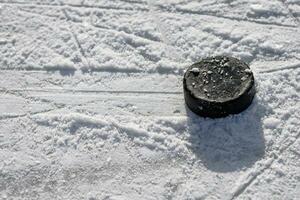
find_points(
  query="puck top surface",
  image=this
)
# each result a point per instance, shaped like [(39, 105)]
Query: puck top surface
[(218, 79)]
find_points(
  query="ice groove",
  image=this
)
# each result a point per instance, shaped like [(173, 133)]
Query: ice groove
[(81, 50), (3, 117), (242, 188), (182, 11), (71, 5), (275, 155), (50, 90), (202, 13), (91, 70), (295, 66)]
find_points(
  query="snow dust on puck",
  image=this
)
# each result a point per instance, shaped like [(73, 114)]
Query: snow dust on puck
[(218, 86)]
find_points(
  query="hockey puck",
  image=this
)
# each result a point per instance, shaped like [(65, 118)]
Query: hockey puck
[(218, 86)]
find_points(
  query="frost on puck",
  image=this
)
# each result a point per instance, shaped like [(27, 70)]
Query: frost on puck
[(218, 86)]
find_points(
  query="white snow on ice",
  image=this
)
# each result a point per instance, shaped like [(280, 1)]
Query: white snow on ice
[(91, 100)]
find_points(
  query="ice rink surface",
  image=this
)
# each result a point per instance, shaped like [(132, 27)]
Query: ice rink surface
[(91, 100)]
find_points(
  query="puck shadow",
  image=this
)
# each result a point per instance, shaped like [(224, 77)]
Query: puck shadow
[(231, 143)]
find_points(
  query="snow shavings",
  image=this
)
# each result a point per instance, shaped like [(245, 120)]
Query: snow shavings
[(271, 123), (61, 64), (73, 122)]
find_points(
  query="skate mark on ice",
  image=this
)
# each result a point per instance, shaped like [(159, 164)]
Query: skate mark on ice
[(171, 51), (38, 14), (51, 90), (182, 11), (205, 13), (290, 12), (91, 70), (73, 5), (255, 173), (293, 66), (241, 188), (19, 93), (123, 32), (134, 2), (3, 117), (71, 30)]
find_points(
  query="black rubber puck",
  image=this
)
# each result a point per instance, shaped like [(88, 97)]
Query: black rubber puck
[(218, 86)]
